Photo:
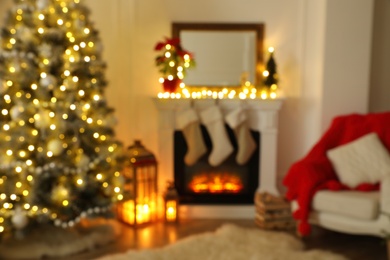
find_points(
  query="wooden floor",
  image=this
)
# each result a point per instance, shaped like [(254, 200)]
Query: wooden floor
[(160, 234)]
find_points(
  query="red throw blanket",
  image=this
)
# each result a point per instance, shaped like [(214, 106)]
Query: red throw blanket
[(314, 172)]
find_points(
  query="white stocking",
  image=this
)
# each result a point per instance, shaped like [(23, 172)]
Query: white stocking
[(213, 120), (237, 120), (188, 122)]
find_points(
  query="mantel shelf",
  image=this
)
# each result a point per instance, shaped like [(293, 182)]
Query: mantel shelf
[(253, 104)]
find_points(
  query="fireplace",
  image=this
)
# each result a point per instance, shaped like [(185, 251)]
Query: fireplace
[(263, 120), (227, 183)]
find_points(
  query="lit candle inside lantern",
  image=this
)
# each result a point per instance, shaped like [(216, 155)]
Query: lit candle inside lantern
[(171, 204), (171, 211), (142, 214)]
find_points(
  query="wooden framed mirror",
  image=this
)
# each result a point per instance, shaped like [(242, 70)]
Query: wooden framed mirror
[(226, 54)]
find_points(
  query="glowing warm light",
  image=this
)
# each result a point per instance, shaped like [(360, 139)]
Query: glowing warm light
[(171, 210), (216, 183), (246, 92), (140, 213)]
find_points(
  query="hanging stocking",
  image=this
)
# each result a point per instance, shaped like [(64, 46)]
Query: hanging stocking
[(188, 122), (237, 120), (213, 120)]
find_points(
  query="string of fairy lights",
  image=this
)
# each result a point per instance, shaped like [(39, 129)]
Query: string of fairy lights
[(61, 161), (247, 90)]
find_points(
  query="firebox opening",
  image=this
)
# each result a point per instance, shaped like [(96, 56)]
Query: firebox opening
[(227, 183)]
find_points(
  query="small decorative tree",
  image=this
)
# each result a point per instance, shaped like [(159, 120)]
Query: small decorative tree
[(271, 76), (173, 61)]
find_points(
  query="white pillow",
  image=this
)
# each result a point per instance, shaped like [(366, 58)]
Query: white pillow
[(364, 160)]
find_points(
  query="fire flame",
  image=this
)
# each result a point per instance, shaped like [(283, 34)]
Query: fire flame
[(216, 183)]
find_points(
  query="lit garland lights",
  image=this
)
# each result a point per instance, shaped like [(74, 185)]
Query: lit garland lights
[(60, 161), (246, 91)]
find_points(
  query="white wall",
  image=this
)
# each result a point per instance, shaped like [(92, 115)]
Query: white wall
[(322, 52), (347, 58), (380, 70)]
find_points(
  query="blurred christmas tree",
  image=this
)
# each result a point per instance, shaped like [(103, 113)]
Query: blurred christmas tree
[(59, 160)]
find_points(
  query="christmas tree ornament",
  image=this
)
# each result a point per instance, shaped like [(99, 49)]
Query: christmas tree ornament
[(45, 50), (19, 218), (25, 33), (16, 66), (59, 193), (82, 161), (59, 93), (188, 122), (213, 119), (55, 146), (238, 121), (49, 81), (42, 118), (42, 4), (16, 111)]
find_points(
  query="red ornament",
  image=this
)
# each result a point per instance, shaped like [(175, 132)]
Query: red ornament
[(171, 85)]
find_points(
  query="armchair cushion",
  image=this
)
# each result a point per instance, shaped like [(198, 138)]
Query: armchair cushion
[(354, 204), (364, 160)]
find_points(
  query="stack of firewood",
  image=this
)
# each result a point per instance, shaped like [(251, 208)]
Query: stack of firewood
[(273, 212)]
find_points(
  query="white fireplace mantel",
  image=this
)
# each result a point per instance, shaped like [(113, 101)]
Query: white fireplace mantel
[(262, 117)]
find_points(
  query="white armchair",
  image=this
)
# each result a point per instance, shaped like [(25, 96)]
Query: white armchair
[(343, 184)]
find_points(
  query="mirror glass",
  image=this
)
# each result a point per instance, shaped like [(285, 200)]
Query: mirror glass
[(226, 54)]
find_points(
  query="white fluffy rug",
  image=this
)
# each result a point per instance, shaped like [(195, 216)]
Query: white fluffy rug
[(231, 242)]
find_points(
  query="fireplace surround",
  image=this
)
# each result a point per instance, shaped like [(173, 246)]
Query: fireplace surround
[(262, 118)]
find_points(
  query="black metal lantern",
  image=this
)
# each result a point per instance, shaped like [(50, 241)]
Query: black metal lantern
[(171, 204), (140, 191)]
